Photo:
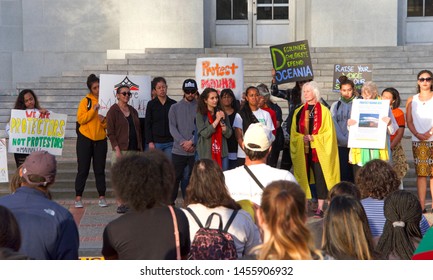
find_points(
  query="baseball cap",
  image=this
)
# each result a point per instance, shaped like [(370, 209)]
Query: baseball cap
[(40, 163), (189, 84), (259, 135)]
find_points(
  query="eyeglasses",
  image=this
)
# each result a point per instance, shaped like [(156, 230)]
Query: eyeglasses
[(428, 79), (126, 93), (190, 91)]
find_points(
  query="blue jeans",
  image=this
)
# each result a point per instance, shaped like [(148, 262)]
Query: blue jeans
[(166, 148)]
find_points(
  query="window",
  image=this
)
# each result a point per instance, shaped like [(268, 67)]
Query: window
[(232, 9), (420, 8), (273, 9)]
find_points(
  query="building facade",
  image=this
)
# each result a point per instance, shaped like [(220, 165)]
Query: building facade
[(47, 37)]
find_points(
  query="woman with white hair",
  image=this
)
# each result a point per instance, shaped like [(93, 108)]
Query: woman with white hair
[(313, 146)]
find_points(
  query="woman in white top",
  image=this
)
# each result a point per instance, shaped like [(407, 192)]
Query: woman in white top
[(419, 120), (207, 194)]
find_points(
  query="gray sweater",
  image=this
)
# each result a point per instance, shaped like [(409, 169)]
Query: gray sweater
[(181, 124)]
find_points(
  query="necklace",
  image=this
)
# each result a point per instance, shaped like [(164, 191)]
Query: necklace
[(312, 111)]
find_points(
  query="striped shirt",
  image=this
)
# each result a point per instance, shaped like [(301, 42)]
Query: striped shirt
[(376, 217)]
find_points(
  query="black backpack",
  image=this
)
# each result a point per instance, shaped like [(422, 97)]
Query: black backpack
[(89, 105), (213, 244)]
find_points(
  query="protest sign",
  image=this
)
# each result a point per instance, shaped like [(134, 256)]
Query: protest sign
[(32, 131), (292, 62), (139, 86), (3, 162), (369, 130), (358, 73), (220, 73)]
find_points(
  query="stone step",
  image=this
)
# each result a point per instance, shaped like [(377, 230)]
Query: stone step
[(392, 66)]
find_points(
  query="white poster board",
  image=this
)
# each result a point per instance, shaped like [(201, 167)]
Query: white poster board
[(220, 73), (30, 131), (3, 162), (140, 88), (369, 130)]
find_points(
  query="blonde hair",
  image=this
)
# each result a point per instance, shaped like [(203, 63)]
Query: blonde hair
[(284, 213), (346, 233), (371, 89)]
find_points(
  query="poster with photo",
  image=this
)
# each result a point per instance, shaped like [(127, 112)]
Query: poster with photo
[(369, 131)]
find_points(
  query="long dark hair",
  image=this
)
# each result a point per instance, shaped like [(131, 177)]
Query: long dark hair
[(207, 186), (201, 104), (10, 235), (246, 113), (235, 103), (20, 104), (403, 215)]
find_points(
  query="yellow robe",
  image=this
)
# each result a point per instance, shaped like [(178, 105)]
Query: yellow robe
[(325, 143)]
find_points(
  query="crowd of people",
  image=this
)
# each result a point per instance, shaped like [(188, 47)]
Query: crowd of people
[(222, 154)]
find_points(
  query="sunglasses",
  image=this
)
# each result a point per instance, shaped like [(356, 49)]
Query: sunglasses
[(429, 79), (126, 93), (190, 91)]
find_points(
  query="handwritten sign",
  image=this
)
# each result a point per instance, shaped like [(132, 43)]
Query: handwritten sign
[(30, 131), (3, 162), (220, 73), (292, 62), (139, 86), (358, 73)]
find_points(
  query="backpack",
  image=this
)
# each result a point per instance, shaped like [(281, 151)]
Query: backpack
[(212, 244), (89, 105)]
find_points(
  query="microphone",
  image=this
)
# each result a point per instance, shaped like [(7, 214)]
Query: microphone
[(222, 120)]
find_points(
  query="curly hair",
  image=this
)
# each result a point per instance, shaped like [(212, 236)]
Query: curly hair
[(10, 234), (21, 105), (403, 208), (284, 212), (377, 179), (143, 181), (346, 233), (207, 186)]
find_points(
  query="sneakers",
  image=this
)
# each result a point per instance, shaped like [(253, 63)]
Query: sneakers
[(122, 209), (78, 204), (318, 214), (102, 202)]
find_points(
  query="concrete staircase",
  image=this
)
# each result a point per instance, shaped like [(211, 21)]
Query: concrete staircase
[(392, 67)]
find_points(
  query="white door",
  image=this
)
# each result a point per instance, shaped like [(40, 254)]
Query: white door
[(251, 23)]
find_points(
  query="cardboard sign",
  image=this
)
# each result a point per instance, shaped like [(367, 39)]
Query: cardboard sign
[(140, 87), (292, 62), (358, 73), (220, 73), (30, 131), (3, 162)]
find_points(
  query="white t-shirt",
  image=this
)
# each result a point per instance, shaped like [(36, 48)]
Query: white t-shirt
[(262, 116), (242, 186), (245, 233)]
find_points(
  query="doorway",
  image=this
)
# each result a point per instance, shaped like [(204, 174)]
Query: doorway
[(252, 23)]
